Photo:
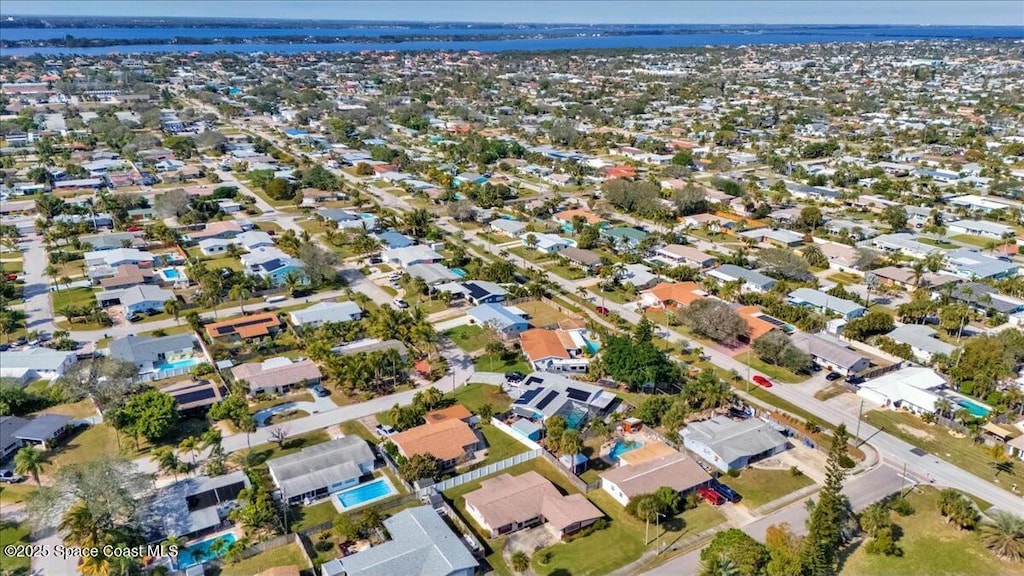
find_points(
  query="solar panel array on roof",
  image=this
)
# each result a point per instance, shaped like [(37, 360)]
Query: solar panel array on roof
[(528, 395), (225, 329), (547, 399), (577, 394), (531, 380), (772, 321), (195, 396)]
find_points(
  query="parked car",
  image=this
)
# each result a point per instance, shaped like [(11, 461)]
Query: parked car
[(726, 492), (399, 303), (10, 477), (712, 497), (385, 430), (320, 391), (762, 381), (133, 317), (833, 376), (514, 376), (602, 311)]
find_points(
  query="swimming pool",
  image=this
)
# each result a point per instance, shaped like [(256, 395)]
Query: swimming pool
[(177, 364), (459, 272), (203, 551), (621, 447), (575, 419), (976, 410), (592, 347), (365, 493), (170, 273)]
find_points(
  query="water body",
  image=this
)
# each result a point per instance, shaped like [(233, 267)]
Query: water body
[(652, 37)]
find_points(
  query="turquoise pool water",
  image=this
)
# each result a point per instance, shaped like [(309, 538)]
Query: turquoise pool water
[(202, 551), (592, 346), (170, 273), (575, 419), (177, 364), (364, 493), (976, 410), (621, 447), (459, 272)]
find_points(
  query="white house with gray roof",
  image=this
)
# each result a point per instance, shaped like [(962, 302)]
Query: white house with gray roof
[(826, 302), (830, 354), (753, 281), (421, 544), (326, 312), (154, 356), (923, 341), (733, 444), (321, 469), (35, 363), (136, 299)]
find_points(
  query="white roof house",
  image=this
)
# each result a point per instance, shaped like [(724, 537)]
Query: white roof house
[(733, 444), (35, 363), (410, 255), (913, 389), (818, 299), (324, 312), (922, 340)]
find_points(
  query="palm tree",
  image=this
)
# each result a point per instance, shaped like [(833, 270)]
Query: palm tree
[(173, 540), (239, 292), (79, 526), (51, 271), (29, 461), (430, 397), (944, 407), (173, 307), (167, 461), (1004, 536), (190, 444), (292, 281), (520, 562), (247, 425), (720, 565)]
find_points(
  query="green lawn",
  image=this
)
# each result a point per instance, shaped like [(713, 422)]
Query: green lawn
[(14, 493), (845, 278), (500, 445), (469, 338), (494, 363), (936, 242), (293, 444), (77, 297), (930, 547), (774, 372), (935, 439), (979, 241), (86, 446), (306, 516), (473, 396), (14, 533), (759, 487), (12, 266), (356, 428), (565, 271), (288, 555), (223, 262)]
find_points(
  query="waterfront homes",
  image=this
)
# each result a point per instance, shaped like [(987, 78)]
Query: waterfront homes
[(680, 255), (826, 302), (913, 389), (277, 375), (35, 363), (451, 440), (245, 327), (732, 444), (676, 470), (506, 503), (156, 357), (191, 507), (506, 321), (420, 542), (326, 312), (923, 341), (830, 354), (667, 295), (411, 255), (543, 395), (321, 469), (753, 281), (555, 350), (971, 263), (136, 299)]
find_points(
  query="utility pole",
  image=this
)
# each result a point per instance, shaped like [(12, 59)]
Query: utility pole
[(860, 416), (749, 348), (903, 477)]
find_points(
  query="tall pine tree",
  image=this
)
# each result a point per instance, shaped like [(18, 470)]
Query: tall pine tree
[(824, 529)]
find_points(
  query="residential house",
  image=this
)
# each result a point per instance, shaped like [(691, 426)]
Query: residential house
[(826, 302), (127, 276), (841, 257), (677, 471), (511, 228), (565, 218), (624, 237), (757, 325), (253, 239), (156, 357), (680, 255), (431, 274), (729, 444), (224, 230), (214, 246), (345, 219), (907, 279), (245, 327), (277, 375), (421, 543), (914, 389), (975, 203), (855, 230), (639, 275), (666, 295), (104, 263), (274, 265), (391, 239), (981, 228), (325, 312), (112, 240), (776, 236), (195, 396), (923, 341), (506, 321), (35, 363), (713, 223), (543, 395), (411, 255), (556, 350), (368, 345), (451, 440), (586, 259), (9, 445), (44, 431), (321, 469), (986, 299), (814, 193), (482, 292), (753, 281), (191, 507), (904, 243), (546, 243), (136, 299), (971, 263), (506, 504), (830, 354)]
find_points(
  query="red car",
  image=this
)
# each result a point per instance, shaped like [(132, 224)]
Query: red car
[(762, 381), (135, 228), (712, 497), (602, 310)]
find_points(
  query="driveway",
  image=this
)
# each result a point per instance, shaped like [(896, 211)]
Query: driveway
[(322, 404)]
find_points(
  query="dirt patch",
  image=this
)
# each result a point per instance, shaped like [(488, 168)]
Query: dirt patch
[(916, 433)]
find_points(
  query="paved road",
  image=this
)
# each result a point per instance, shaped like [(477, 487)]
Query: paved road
[(862, 490), (38, 305)]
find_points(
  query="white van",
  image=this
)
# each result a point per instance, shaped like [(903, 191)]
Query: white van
[(275, 299)]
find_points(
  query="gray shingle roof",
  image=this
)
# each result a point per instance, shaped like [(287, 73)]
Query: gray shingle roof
[(320, 465), (733, 439), (141, 349), (42, 427)]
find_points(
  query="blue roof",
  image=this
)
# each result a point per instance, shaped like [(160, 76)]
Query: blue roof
[(293, 132), (395, 239)]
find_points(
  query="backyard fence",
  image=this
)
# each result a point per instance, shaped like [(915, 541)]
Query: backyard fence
[(383, 505), (569, 475), (274, 543), (479, 473)]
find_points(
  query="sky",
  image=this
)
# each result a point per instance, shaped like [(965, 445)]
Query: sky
[(933, 12)]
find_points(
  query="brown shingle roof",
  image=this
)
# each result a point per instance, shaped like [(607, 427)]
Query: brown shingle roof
[(684, 293), (539, 343), (445, 440), (456, 412), (246, 326), (507, 499)]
